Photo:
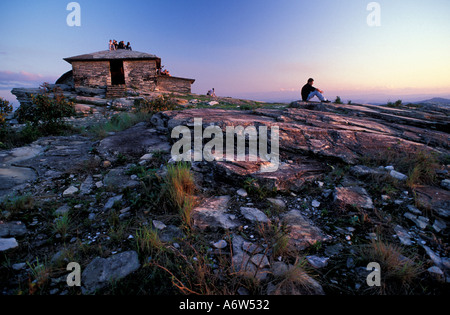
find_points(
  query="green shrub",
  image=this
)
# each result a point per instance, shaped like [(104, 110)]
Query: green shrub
[(47, 111), (160, 104), (396, 104), (5, 109)]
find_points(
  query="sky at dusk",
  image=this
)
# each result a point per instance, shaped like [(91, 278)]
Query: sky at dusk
[(256, 49)]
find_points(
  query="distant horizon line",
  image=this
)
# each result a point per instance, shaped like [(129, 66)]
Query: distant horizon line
[(290, 96)]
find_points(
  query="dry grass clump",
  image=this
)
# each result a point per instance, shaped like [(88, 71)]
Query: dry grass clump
[(296, 281), (398, 272), (180, 187)]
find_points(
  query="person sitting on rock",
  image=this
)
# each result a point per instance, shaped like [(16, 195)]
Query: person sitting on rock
[(128, 47), (211, 93), (121, 45), (308, 92)]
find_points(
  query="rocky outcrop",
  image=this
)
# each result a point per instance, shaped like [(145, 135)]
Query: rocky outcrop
[(312, 133), (322, 203)]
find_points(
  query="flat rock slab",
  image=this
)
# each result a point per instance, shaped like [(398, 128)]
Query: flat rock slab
[(118, 179), (60, 154), (134, 142), (434, 198), (101, 272), (212, 214), (289, 176), (15, 229), (12, 178), (253, 214), (302, 233)]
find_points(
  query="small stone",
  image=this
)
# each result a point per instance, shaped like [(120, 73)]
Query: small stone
[(254, 214), (403, 235), (277, 202), (413, 209), (147, 157), (315, 204), (352, 197), (159, 225), (8, 243), (86, 187), (220, 244), (439, 225), (317, 262), (279, 269), (243, 291), (437, 273), (112, 201), (125, 210), (398, 175), (62, 210), (252, 248), (106, 164), (260, 260), (371, 236), (70, 191), (241, 192), (435, 270), (420, 221), (19, 266), (446, 184)]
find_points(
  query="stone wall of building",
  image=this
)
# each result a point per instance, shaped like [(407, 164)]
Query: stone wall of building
[(140, 74), (91, 73), (174, 84)]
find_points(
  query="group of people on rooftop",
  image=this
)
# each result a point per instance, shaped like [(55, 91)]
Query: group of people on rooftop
[(114, 45), (163, 71)]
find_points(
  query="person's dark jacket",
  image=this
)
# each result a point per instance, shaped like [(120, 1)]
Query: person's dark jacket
[(306, 90)]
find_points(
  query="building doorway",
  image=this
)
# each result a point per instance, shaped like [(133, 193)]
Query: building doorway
[(117, 73)]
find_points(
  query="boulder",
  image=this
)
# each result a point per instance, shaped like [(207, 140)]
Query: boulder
[(100, 272), (133, 142), (352, 197), (302, 232)]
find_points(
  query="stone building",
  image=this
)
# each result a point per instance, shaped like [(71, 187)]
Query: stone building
[(119, 70)]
